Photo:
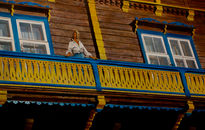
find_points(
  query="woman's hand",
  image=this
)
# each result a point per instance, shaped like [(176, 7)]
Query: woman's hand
[(68, 54), (94, 58)]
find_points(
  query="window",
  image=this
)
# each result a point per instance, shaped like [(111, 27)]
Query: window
[(182, 52), (32, 37), (168, 49), (155, 49), (6, 35)]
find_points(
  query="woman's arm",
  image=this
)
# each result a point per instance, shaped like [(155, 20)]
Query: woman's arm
[(69, 51)]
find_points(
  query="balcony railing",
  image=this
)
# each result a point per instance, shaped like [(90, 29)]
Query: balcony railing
[(103, 75)]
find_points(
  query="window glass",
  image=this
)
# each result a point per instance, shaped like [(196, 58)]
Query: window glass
[(4, 45), (182, 52), (4, 28), (26, 31), (180, 62), (163, 61), (34, 48), (191, 63), (158, 45), (149, 44), (175, 47), (37, 32), (33, 39), (185, 48), (153, 60), (31, 31)]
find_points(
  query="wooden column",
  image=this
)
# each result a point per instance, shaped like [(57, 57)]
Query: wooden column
[(181, 116), (93, 112), (3, 97), (28, 123)]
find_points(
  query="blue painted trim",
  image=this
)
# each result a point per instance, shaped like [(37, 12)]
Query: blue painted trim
[(47, 29), (96, 75), (4, 14), (192, 94), (15, 34), (143, 107), (31, 4), (181, 24), (25, 3), (184, 82), (195, 53), (142, 91), (164, 22), (51, 103), (168, 49), (191, 42), (28, 17), (99, 62), (151, 32), (48, 85), (139, 32), (199, 110), (150, 20)]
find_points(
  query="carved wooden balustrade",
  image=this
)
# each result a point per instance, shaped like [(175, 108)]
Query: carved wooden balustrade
[(101, 75)]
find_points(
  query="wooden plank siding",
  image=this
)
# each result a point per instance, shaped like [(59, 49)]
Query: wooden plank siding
[(117, 30), (120, 42)]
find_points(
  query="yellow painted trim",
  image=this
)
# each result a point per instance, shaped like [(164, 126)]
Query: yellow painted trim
[(125, 6), (190, 16), (178, 122), (100, 105), (51, 0), (90, 119), (159, 8), (148, 93), (96, 29), (33, 86), (12, 9), (3, 97), (165, 29), (167, 5), (136, 26), (49, 15), (194, 96), (193, 33), (191, 106)]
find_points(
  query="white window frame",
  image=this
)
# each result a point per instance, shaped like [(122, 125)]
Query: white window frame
[(157, 53), (11, 38), (43, 42), (184, 58)]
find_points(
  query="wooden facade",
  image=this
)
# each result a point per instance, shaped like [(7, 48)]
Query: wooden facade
[(102, 94)]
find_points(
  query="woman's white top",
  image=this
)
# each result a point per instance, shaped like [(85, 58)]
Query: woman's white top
[(74, 48)]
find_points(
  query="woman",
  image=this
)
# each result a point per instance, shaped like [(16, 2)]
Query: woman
[(76, 48)]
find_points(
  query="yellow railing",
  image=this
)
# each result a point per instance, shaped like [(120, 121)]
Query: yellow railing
[(47, 72), (196, 83), (140, 79)]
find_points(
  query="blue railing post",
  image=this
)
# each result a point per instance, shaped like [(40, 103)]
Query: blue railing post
[(184, 82), (96, 75)]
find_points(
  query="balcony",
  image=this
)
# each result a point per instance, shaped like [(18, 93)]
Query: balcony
[(59, 72)]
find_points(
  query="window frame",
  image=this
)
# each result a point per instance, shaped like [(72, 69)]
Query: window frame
[(11, 38), (182, 57), (148, 54), (167, 46), (43, 42), (15, 34)]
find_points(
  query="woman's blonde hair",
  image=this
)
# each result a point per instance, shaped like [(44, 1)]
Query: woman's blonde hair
[(77, 34)]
